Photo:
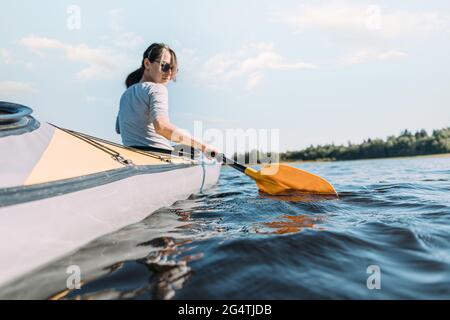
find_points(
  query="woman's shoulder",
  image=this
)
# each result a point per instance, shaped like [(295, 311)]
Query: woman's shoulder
[(153, 88)]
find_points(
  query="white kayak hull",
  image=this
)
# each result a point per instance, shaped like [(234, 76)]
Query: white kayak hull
[(38, 232)]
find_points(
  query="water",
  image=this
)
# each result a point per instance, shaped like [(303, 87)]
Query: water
[(232, 243)]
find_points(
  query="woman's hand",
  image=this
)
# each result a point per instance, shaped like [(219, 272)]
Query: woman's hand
[(210, 151)]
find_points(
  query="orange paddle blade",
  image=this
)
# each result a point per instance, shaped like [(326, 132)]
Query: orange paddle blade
[(281, 178)]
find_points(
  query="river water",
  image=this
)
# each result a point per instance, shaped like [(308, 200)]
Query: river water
[(386, 237)]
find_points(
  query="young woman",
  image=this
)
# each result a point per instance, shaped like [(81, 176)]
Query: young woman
[(143, 119)]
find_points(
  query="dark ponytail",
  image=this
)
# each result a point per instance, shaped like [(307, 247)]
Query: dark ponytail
[(134, 77)]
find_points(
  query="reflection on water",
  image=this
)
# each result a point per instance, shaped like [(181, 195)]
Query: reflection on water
[(167, 264), (167, 273), (293, 224)]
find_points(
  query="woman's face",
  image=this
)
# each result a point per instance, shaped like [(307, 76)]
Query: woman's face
[(154, 70)]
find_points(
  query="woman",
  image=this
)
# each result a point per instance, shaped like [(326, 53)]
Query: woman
[(143, 119)]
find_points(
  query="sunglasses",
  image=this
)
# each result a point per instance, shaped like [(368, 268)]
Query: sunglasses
[(165, 67)]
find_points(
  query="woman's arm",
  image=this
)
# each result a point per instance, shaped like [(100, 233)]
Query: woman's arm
[(171, 132)]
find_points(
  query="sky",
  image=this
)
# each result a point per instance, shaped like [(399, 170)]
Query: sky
[(314, 72)]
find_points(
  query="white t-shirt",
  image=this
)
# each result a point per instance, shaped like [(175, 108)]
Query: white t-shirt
[(140, 105)]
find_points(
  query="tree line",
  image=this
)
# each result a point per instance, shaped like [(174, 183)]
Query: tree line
[(406, 144)]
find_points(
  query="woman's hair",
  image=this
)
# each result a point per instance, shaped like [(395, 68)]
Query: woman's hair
[(154, 52)]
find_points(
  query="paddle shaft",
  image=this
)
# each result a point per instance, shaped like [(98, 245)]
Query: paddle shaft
[(230, 162)]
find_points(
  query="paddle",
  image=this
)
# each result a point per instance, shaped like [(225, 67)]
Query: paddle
[(274, 179), (280, 179)]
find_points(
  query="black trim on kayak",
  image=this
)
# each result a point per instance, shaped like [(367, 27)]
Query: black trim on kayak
[(179, 150), (22, 194)]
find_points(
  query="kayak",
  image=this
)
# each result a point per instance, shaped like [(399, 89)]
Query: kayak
[(61, 189)]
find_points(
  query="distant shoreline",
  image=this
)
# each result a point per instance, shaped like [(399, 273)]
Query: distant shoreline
[(438, 155)]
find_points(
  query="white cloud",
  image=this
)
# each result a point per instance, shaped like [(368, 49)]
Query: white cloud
[(345, 16), (100, 58), (91, 72), (6, 56), (248, 63), (356, 26), (254, 80), (121, 38), (101, 62), (37, 44), (413, 24), (14, 89), (366, 55), (128, 40), (393, 54), (328, 16)]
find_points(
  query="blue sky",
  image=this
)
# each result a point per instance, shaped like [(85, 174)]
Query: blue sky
[(319, 71)]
